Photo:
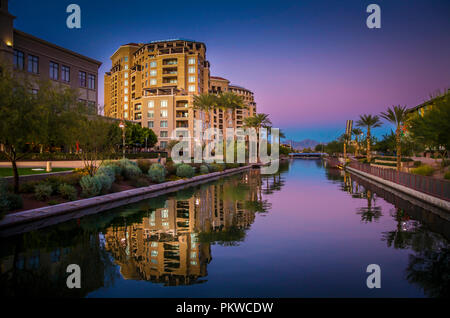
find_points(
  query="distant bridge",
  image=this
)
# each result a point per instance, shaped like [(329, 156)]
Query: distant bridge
[(307, 155)]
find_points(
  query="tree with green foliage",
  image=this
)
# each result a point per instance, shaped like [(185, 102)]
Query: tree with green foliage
[(397, 115), (369, 122), (206, 102), (433, 128), (29, 120)]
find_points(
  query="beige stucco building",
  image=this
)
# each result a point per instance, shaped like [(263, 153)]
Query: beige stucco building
[(155, 83), (41, 60)]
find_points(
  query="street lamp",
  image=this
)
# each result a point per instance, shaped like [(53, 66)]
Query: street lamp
[(122, 125)]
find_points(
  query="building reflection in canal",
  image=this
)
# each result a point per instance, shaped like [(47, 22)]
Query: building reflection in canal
[(420, 228), (164, 240)]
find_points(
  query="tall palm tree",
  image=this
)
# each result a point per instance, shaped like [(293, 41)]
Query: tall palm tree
[(357, 132), (258, 121), (397, 115), (230, 102), (369, 122), (206, 102)]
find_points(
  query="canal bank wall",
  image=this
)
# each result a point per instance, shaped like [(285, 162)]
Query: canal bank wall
[(29, 220), (440, 203)]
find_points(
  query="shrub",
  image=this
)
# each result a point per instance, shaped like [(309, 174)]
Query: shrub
[(43, 191), (141, 182), (131, 172), (107, 170), (171, 167), (447, 175), (231, 165), (417, 164), (106, 182), (3, 186), (67, 191), (14, 201), (204, 169), (216, 167), (423, 170), (185, 171), (144, 165), (91, 186), (157, 173)]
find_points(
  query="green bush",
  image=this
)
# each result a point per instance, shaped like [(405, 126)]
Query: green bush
[(141, 182), (204, 169), (447, 175), (157, 173), (423, 170), (106, 176), (43, 191), (68, 192), (131, 172), (216, 167), (15, 201), (185, 171), (91, 186), (231, 165), (144, 165)]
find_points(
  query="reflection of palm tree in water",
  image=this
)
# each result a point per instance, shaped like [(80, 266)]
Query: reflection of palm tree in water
[(429, 266), (370, 213)]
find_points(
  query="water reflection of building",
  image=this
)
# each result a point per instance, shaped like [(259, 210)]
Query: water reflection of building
[(164, 247)]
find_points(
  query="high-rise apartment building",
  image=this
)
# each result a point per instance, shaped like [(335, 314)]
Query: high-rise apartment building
[(155, 83), (42, 60)]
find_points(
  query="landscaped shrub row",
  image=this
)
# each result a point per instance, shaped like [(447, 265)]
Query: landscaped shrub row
[(423, 170), (393, 159), (108, 178)]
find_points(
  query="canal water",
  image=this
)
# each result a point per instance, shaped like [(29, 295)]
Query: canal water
[(304, 232)]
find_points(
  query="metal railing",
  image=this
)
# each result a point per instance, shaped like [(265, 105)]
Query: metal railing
[(439, 188)]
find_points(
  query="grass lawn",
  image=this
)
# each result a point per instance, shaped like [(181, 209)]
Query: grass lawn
[(7, 172)]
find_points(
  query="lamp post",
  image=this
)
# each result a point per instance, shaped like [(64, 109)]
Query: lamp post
[(122, 125)]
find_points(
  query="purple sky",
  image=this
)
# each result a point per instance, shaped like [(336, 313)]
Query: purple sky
[(311, 64)]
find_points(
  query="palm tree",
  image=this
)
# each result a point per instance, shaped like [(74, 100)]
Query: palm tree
[(258, 121), (397, 115), (357, 132), (205, 102), (229, 101), (369, 122)]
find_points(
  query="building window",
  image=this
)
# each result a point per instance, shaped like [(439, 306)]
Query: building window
[(153, 81), (153, 72), (151, 104), (19, 62), (126, 67), (33, 64), (137, 116), (150, 124), (163, 124), (125, 90), (163, 134), (91, 81), (191, 88), (164, 113), (125, 83), (54, 70), (191, 70), (191, 61), (125, 115), (137, 107), (163, 144), (125, 98), (191, 79), (82, 78), (125, 106), (150, 114), (125, 75), (153, 64), (125, 59), (65, 73), (164, 103)]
